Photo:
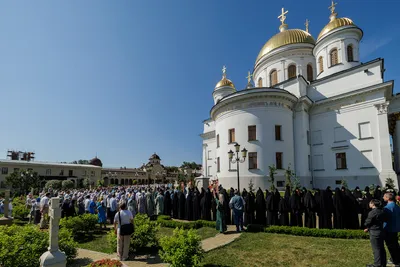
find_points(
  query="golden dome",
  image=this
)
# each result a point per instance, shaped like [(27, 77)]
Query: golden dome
[(225, 82), (334, 24), (286, 37)]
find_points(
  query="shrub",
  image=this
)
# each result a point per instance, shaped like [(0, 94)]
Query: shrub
[(67, 184), (106, 263), (112, 241), (55, 184), (23, 246), (166, 221), (19, 209), (78, 225), (182, 249), (314, 232)]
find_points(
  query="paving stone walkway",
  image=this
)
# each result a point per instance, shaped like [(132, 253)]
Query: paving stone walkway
[(86, 256)]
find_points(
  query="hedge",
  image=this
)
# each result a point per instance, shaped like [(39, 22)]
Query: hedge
[(166, 221)]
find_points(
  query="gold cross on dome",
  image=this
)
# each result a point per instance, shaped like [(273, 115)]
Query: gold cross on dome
[(332, 7), (249, 75), (282, 17), (224, 71), (307, 24)]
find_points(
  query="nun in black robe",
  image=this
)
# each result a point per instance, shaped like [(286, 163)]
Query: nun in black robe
[(309, 210), (175, 205), (296, 209), (245, 197), (252, 208), (196, 205), (167, 203), (214, 209), (283, 212), (339, 213), (269, 206), (260, 207), (182, 205), (378, 193), (325, 206), (189, 205), (351, 219), (365, 209), (226, 207)]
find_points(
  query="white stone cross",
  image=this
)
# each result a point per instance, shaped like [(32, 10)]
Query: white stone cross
[(6, 203), (54, 257)]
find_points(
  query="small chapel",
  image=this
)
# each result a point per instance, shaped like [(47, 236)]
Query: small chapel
[(311, 107)]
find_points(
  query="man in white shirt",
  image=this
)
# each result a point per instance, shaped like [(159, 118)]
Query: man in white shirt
[(87, 204), (44, 210), (122, 217)]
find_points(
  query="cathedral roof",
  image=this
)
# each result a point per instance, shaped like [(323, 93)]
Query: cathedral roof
[(96, 162), (154, 156), (335, 23), (285, 37), (224, 81)]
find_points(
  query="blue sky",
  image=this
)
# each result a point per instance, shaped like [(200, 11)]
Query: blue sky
[(127, 78)]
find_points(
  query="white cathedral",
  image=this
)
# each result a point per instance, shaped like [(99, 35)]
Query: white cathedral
[(314, 108)]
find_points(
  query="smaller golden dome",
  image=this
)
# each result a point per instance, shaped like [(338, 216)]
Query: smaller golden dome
[(224, 81), (334, 24)]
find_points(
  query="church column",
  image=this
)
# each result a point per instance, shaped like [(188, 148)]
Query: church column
[(385, 154), (283, 73), (396, 142), (205, 169)]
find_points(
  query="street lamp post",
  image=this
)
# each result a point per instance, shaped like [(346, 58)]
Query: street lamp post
[(237, 160)]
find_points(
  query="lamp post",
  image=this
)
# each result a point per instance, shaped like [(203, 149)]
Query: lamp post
[(236, 159)]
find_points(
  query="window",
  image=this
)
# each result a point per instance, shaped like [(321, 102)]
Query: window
[(4, 170), (367, 160), (62, 173), (278, 157), (291, 71), (365, 130), (273, 77), (317, 137), (70, 173), (334, 57), (218, 165), (280, 183), (209, 171), (350, 57), (252, 160), (339, 134), (318, 163), (310, 73), (48, 172), (278, 129), (259, 84), (217, 140), (252, 133), (321, 64), (209, 154), (231, 135), (341, 161)]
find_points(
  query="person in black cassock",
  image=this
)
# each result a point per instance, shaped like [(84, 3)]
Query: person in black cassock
[(339, 214), (325, 209), (351, 219), (365, 209), (296, 209), (196, 204), (226, 207), (175, 205), (205, 205), (182, 205), (310, 206), (260, 207), (167, 203), (214, 209), (189, 205), (275, 207), (269, 206), (378, 193), (245, 197), (359, 198), (283, 212)]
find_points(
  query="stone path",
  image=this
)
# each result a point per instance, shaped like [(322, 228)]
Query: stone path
[(85, 256)]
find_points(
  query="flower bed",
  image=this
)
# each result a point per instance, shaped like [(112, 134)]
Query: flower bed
[(106, 263)]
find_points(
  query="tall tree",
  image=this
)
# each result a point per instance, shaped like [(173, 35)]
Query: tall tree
[(23, 180)]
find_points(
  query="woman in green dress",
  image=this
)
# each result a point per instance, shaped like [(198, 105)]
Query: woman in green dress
[(221, 223)]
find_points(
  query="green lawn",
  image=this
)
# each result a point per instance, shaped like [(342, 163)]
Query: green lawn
[(204, 232), (262, 249)]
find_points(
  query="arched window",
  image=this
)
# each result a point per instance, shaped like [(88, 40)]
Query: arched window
[(334, 57), (321, 64), (116, 181), (259, 83), (310, 73), (273, 77), (292, 71), (122, 182), (350, 57)]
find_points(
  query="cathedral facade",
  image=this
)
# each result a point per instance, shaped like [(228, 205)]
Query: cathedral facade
[(314, 108)]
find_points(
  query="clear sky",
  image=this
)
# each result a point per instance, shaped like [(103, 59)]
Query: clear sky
[(127, 78)]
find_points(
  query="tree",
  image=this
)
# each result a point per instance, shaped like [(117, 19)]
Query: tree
[(191, 165), (288, 175), (81, 161), (86, 183), (23, 180), (251, 185), (389, 184), (54, 184), (272, 172), (67, 184), (343, 182)]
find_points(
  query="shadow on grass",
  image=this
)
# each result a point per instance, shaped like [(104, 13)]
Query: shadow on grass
[(80, 262), (148, 255), (215, 265)]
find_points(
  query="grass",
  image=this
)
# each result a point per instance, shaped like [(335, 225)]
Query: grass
[(98, 242), (263, 249)]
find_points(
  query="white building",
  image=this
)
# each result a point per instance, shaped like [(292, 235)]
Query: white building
[(314, 107)]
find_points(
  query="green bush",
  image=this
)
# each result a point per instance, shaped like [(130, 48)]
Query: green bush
[(145, 234), (23, 246), (67, 184), (314, 232), (19, 209), (166, 221), (79, 226), (182, 249), (55, 184)]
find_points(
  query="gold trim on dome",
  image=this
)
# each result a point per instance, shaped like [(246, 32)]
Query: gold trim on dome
[(287, 37), (334, 24)]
